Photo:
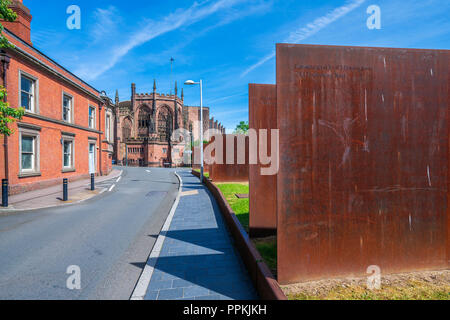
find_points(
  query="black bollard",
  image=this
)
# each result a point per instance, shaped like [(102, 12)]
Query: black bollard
[(5, 193), (65, 190), (92, 182)]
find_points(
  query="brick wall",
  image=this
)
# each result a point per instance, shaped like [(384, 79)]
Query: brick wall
[(48, 119), (194, 117)]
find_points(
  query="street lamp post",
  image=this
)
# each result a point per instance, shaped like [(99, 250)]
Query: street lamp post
[(190, 83), (126, 154)]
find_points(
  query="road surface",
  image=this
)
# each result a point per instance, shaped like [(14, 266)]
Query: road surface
[(109, 238)]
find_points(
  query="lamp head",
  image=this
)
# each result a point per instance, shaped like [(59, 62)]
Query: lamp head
[(189, 83)]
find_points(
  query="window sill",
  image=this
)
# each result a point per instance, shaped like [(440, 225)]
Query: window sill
[(29, 174), (68, 170)]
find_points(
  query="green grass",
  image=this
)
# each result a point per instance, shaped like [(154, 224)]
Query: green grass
[(206, 174), (266, 247), (239, 206), (268, 250)]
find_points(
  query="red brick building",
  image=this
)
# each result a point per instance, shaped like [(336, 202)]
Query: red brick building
[(146, 122), (68, 128)]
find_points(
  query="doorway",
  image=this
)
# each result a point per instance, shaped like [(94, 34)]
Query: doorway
[(92, 165)]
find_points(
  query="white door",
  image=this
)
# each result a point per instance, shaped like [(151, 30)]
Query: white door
[(91, 158)]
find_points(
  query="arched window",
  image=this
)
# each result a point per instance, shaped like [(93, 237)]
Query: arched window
[(144, 121), (165, 124), (126, 129)]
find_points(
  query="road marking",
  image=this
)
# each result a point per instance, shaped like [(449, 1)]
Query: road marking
[(189, 193), (148, 171), (112, 187), (117, 181), (144, 280)]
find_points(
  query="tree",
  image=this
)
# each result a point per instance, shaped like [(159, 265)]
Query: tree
[(6, 14), (7, 114), (242, 128)]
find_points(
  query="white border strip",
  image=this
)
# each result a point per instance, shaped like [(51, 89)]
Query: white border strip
[(141, 288)]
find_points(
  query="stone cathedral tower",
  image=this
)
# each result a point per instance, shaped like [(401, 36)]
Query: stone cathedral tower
[(145, 124)]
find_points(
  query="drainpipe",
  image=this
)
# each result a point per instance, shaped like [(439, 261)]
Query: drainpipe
[(105, 102), (116, 129), (5, 59), (100, 137)]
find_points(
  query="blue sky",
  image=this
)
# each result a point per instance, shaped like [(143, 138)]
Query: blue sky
[(227, 43)]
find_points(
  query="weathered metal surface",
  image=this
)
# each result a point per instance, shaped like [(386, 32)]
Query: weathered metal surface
[(231, 169), (364, 158), (263, 188)]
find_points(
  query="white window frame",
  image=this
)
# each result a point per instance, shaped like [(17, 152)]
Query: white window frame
[(108, 127), (71, 140), (23, 132), (72, 103), (94, 117), (35, 100)]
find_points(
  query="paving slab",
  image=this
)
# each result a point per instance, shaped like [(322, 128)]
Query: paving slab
[(198, 260)]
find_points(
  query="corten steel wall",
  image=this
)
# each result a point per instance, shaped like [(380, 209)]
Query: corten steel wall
[(263, 188), (364, 147), (230, 171)]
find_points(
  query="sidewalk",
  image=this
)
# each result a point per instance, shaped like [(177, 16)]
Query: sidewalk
[(197, 260), (50, 197)]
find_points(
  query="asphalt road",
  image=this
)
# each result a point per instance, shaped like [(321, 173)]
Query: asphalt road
[(109, 238)]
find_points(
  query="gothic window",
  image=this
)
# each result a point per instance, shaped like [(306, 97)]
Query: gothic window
[(126, 129), (165, 124), (144, 121)]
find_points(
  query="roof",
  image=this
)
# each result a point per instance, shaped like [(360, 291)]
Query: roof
[(25, 48), (125, 104)]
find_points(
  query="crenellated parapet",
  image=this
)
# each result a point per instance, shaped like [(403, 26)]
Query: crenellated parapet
[(148, 119)]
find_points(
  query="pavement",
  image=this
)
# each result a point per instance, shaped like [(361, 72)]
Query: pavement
[(108, 237), (52, 196), (197, 260)]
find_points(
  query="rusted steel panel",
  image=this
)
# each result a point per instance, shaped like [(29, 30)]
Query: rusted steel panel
[(263, 188), (364, 154), (231, 170)]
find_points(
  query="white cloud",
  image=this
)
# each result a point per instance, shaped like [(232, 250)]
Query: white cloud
[(311, 29), (153, 29), (106, 22), (227, 97), (229, 17)]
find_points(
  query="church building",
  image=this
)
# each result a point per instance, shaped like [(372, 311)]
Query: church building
[(145, 125)]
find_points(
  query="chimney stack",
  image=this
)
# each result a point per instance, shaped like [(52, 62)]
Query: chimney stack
[(22, 26)]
